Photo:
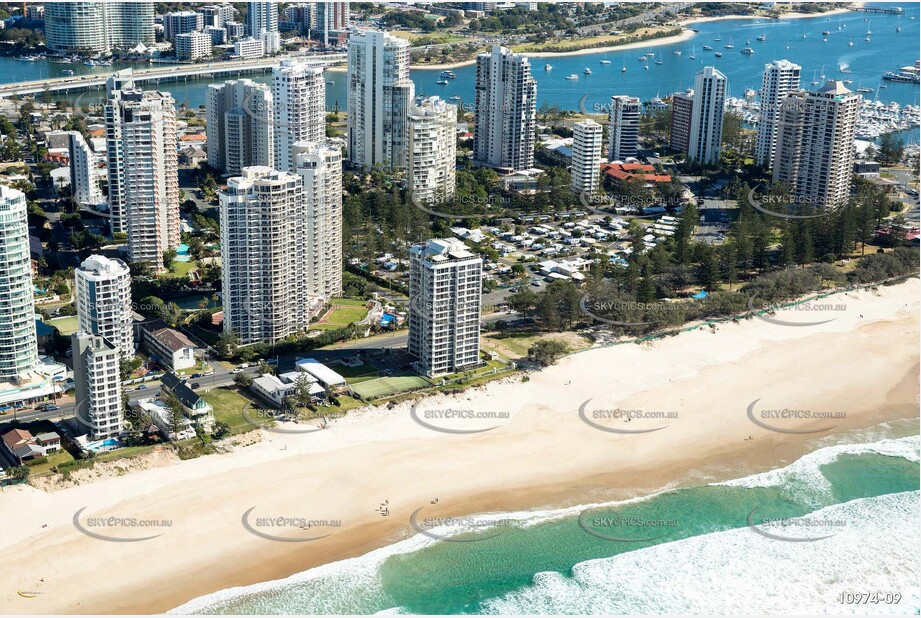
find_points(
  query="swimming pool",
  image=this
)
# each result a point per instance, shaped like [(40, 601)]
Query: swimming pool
[(103, 445)]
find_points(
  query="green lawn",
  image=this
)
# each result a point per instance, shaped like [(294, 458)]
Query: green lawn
[(180, 269), (385, 387), (345, 311), (228, 407), (66, 325), (54, 459)]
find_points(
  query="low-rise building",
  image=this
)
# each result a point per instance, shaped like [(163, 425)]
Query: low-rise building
[(248, 48), (172, 429), (321, 373), (168, 347), (23, 446), (192, 45), (196, 408)]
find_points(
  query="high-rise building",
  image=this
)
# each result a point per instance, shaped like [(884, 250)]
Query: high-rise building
[(587, 138), (432, 150), (319, 166), (707, 116), (103, 291), (380, 93), (624, 128), (263, 248), (682, 108), (240, 126), (815, 144), (779, 79), (181, 22), (192, 45), (216, 15), (84, 180), (332, 21), (505, 110), (299, 108), (97, 385), (262, 24), (143, 168), (444, 310), (18, 344), (98, 27)]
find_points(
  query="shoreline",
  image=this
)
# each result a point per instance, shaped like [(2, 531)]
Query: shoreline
[(545, 456), (685, 35)]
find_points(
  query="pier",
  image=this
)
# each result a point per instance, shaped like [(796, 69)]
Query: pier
[(875, 9), (160, 75)]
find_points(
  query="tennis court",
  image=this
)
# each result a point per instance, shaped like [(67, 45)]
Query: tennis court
[(384, 387)]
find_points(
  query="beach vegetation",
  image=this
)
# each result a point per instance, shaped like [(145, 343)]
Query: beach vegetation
[(547, 351)]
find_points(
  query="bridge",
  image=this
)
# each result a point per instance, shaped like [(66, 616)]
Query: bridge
[(161, 75)]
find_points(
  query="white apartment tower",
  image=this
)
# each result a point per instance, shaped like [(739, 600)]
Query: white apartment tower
[(98, 27), (624, 128), (380, 94), (98, 387), (319, 166), (84, 181), (815, 144), (103, 289), (143, 169), (192, 45), (432, 150), (262, 24), (707, 116), (505, 110), (780, 78), (444, 310), (299, 108), (240, 129), (587, 138), (264, 270), (181, 22), (18, 344)]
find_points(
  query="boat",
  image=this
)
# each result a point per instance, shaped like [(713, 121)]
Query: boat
[(448, 74), (572, 77), (761, 37), (747, 42), (848, 82), (909, 74), (707, 48), (646, 66), (329, 81), (642, 58), (605, 62), (718, 38), (729, 45), (815, 80), (866, 40), (822, 74), (851, 42), (693, 54), (898, 28), (748, 50), (864, 89), (547, 67), (826, 32), (29, 58), (455, 98), (845, 68), (624, 68), (650, 54), (442, 82), (104, 63), (89, 63), (587, 71), (677, 52), (67, 72), (718, 54), (659, 59), (804, 34)]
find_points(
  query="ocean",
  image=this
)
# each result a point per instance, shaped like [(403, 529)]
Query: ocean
[(887, 50), (841, 519)]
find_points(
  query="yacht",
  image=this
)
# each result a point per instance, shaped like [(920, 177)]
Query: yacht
[(587, 71), (693, 54), (659, 59), (68, 72), (851, 42), (605, 62), (826, 32), (547, 67), (748, 50), (646, 66), (718, 54), (761, 37), (815, 80), (624, 68), (677, 52), (572, 77), (449, 74), (707, 48), (729, 45), (442, 82), (455, 98), (718, 38)]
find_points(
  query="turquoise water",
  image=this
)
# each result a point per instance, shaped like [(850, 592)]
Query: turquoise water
[(887, 50), (677, 551)]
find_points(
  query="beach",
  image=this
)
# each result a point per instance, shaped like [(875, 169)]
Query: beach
[(862, 365)]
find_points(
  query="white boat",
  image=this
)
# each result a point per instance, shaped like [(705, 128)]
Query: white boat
[(729, 45), (587, 71), (718, 38), (815, 80), (677, 52), (718, 54), (708, 48), (822, 74), (748, 50), (455, 98), (67, 72), (659, 59), (572, 76), (605, 62), (693, 54), (851, 42), (547, 67), (761, 37), (624, 68)]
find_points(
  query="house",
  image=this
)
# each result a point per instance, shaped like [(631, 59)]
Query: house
[(192, 156), (194, 406), (168, 346), (323, 374), (866, 168), (272, 390), (160, 415), (624, 172), (521, 181), (23, 446)]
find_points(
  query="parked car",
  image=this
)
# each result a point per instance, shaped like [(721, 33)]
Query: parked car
[(196, 375), (142, 387), (196, 385)]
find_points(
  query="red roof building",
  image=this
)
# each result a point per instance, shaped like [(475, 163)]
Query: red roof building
[(625, 172)]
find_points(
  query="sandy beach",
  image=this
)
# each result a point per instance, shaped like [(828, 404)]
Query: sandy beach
[(863, 363)]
